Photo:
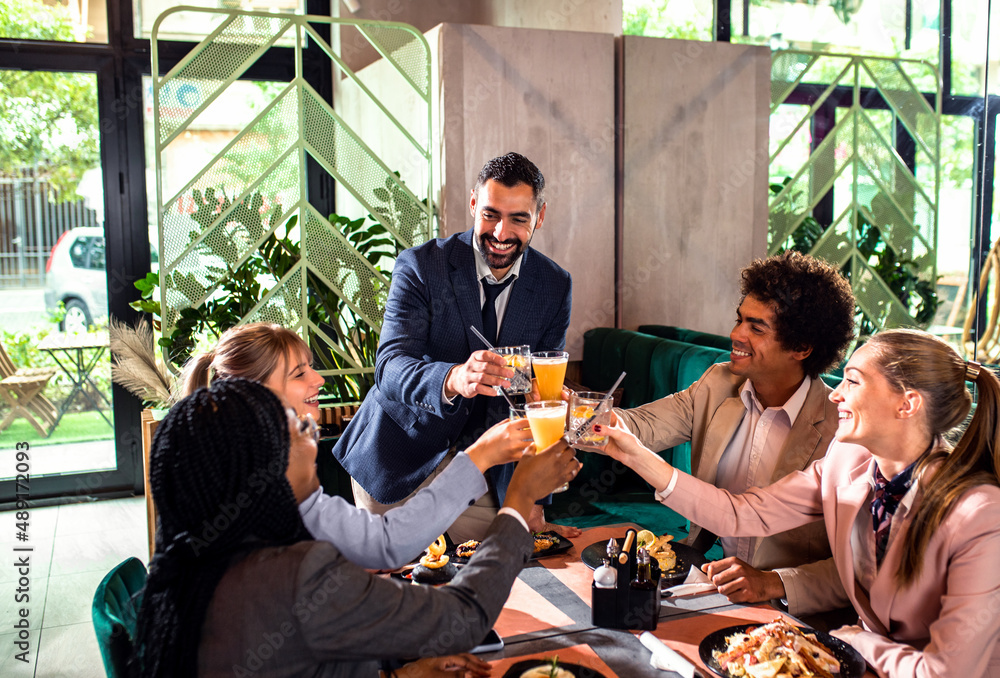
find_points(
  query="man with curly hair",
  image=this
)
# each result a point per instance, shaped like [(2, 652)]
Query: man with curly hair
[(762, 415)]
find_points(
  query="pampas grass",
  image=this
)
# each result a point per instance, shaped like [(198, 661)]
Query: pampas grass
[(134, 364)]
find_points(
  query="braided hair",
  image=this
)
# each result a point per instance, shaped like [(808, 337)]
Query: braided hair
[(217, 473)]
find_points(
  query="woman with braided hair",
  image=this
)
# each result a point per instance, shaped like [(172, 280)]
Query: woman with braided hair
[(237, 587), (913, 523), (278, 358)]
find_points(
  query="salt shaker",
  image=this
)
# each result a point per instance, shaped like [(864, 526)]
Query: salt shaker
[(606, 576)]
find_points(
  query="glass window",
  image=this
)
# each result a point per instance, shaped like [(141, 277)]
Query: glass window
[(875, 28), (63, 20), (192, 26), (52, 266), (968, 47), (682, 19)]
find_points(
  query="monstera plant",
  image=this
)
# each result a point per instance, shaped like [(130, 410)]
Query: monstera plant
[(900, 275), (242, 287)]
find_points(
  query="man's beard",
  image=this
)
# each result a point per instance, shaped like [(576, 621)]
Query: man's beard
[(500, 261)]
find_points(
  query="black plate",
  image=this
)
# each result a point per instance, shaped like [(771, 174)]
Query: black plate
[(852, 664), (578, 670), (561, 546), (687, 556)]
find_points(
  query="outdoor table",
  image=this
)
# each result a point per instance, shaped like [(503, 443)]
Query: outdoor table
[(548, 613), (80, 355)]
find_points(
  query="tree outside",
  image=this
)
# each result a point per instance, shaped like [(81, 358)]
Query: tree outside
[(48, 121)]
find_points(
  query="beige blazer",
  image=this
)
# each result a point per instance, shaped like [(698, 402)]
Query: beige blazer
[(708, 413), (944, 624)]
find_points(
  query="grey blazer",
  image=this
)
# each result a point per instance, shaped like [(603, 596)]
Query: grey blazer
[(305, 610)]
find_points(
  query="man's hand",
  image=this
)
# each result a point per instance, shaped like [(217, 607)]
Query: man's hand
[(478, 375), (501, 443), (452, 666), (740, 583), (537, 475), (537, 523)]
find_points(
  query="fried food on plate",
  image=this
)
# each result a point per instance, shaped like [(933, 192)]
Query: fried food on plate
[(434, 567)]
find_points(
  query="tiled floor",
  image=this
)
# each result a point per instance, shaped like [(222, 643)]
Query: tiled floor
[(74, 547)]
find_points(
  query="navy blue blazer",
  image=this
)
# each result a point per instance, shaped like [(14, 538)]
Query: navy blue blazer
[(403, 428)]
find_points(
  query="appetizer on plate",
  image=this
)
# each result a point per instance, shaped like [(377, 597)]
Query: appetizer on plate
[(549, 670), (658, 548), (434, 567), (466, 548), (776, 650), (544, 541)]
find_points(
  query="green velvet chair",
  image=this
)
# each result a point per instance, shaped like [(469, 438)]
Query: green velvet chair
[(114, 613), (689, 336)]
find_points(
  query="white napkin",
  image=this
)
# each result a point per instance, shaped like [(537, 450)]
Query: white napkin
[(666, 659), (695, 583)]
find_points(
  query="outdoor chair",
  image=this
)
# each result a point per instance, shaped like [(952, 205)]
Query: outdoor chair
[(21, 390)]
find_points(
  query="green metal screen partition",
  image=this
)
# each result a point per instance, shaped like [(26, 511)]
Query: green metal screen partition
[(879, 200), (215, 214)]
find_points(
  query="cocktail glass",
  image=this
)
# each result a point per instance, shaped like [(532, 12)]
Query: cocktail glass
[(587, 408), (547, 419), (519, 359), (550, 371)]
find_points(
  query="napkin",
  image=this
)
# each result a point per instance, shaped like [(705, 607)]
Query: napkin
[(696, 582), (666, 659)]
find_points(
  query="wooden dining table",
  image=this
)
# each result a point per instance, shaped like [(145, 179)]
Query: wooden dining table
[(548, 613)]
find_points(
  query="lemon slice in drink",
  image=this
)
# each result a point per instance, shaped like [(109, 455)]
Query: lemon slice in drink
[(517, 361), (644, 538), (583, 412)]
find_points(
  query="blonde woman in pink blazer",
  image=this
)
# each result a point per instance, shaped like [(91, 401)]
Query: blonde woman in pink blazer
[(914, 524)]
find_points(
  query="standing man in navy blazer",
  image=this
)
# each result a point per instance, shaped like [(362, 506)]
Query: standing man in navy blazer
[(434, 381)]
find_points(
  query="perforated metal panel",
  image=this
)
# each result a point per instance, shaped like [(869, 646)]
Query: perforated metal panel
[(858, 159), (214, 213)]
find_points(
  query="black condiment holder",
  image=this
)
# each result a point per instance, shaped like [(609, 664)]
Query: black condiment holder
[(624, 607)]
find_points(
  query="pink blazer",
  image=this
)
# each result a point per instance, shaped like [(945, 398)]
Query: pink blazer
[(945, 624)]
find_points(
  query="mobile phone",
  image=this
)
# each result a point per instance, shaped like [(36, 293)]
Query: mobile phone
[(491, 643)]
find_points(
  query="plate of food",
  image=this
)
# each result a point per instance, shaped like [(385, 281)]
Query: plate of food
[(434, 568), (674, 559), (546, 544), (550, 668), (779, 649), (550, 544)]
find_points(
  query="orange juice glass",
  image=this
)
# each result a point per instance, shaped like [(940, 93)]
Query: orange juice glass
[(547, 419), (550, 371)]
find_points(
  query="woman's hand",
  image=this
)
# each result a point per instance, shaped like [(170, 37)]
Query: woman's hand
[(623, 446), (452, 666), (301, 471), (500, 444), (622, 443)]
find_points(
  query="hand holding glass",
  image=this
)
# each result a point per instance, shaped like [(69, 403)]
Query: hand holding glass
[(518, 359), (547, 419), (550, 371), (587, 408)]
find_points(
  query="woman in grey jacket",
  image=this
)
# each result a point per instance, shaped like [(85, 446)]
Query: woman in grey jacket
[(237, 587)]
